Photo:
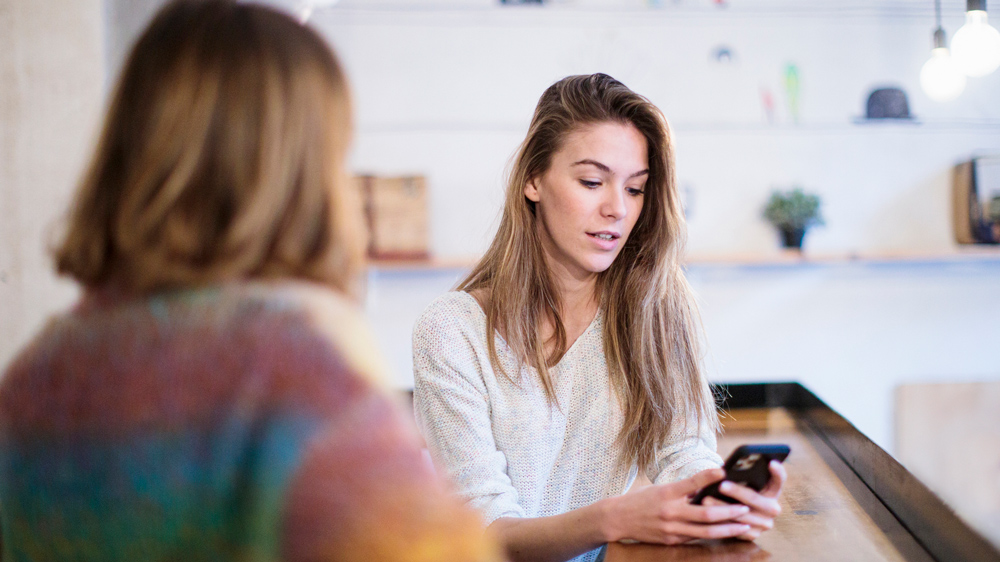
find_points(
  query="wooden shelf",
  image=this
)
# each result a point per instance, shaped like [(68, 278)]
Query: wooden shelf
[(782, 257), (793, 257), (432, 264)]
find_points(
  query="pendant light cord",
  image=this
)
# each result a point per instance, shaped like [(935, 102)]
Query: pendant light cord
[(939, 38)]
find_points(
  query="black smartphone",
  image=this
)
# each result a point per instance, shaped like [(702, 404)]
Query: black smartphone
[(747, 466)]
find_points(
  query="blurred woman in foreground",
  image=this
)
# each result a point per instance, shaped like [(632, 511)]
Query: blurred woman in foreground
[(213, 396)]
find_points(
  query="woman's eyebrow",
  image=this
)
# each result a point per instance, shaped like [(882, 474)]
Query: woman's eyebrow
[(605, 168), (600, 166)]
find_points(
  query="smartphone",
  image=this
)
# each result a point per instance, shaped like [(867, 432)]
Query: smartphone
[(748, 465)]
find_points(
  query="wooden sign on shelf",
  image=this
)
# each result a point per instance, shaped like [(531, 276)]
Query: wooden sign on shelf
[(396, 213)]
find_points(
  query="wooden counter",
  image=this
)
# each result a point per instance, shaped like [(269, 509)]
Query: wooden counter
[(845, 499)]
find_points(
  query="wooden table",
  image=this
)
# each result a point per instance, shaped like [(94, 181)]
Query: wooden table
[(845, 499)]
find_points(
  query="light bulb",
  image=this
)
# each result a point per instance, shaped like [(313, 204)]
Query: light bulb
[(976, 45), (304, 8), (940, 77), (304, 12)]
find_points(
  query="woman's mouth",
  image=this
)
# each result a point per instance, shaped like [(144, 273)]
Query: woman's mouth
[(605, 235), (605, 239)]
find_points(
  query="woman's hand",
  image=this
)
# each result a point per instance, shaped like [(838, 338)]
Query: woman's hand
[(763, 505), (662, 513), (658, 514)]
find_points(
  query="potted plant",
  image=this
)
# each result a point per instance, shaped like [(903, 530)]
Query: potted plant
[(792, 213)]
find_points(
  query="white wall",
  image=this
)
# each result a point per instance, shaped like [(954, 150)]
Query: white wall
[(124, 21), (51, 73), (449, 93), (852, 332)]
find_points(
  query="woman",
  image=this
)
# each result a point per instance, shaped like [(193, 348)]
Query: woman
[(567, 360), (211, 397)]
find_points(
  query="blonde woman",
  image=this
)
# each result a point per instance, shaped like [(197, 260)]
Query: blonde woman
[(212, 396), (567, 361)]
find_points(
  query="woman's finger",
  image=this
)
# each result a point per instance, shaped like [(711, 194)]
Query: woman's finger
[(691, 485), (757, 521), (711, 514), (778, 478), (715, 531), (757, 502), (677, 539), (710, 501)]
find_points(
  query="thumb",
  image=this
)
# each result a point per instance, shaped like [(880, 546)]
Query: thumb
[(698, 481)]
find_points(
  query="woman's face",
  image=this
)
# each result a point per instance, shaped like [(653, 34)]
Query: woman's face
[(590, 197)]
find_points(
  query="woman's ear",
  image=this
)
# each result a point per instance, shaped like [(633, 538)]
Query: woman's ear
[(531, 190)]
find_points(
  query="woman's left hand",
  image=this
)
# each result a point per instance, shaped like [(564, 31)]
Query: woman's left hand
[(763, 505)]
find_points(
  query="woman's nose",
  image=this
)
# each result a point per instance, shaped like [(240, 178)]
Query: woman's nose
[(614, 203)]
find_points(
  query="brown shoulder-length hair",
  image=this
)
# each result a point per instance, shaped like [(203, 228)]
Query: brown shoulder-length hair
[(651, 330), (221, 158)]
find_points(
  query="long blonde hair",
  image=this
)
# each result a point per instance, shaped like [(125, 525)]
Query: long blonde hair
[(651, 328), (221, 158)]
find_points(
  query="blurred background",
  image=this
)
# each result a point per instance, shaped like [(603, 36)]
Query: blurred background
[(891, 310)]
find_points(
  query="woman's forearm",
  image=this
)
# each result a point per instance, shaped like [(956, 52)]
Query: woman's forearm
[(558, 537), (660, 514)]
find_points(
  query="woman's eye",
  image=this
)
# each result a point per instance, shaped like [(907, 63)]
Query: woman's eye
[(591, 184), (634, 191)]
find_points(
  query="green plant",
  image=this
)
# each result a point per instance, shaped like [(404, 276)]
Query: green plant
[(793, 209)]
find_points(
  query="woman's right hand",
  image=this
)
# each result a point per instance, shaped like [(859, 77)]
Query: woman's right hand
[(662, 513)]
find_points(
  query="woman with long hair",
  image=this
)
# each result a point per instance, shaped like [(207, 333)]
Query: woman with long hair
[(213, 395), (567, 361)]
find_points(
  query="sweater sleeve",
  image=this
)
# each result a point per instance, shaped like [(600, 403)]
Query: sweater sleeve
[(452, 406), (689, 450)]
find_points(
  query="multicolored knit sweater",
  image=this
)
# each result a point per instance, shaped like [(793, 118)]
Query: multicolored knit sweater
[(239, 422)]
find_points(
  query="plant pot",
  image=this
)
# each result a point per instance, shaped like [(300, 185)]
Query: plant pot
[(792, 237)]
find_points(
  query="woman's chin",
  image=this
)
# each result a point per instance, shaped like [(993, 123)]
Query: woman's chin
[(586, 263), (599, 265)]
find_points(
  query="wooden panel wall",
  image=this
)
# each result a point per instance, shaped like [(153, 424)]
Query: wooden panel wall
[(948, 435)]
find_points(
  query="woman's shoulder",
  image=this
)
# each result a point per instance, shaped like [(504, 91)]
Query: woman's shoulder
[(196, 350), (449, 342), (317, 303), (456, 302), (330, 313), (259, 314), (454, 312)]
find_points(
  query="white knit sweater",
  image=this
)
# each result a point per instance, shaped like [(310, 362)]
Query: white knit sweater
[(506, 448)]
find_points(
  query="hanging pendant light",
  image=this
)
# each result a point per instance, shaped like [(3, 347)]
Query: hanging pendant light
[(301, 9), (940, 78), (976, 45)]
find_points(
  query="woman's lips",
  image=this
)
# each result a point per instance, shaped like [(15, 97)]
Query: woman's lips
[(604, 239)]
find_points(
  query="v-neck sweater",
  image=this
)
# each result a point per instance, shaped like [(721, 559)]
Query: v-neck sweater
[(508, 450)]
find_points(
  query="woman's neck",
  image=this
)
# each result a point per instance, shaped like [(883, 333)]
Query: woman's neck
[(578, 303), (577, 299)]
